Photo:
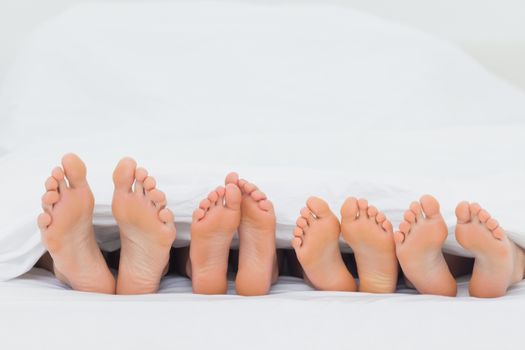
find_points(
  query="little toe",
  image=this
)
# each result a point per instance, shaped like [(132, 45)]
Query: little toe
[(318, 207), (232, 197), (363, 207), (198, 214), (430, 206), (150, 183), (166, 216), (463, 212), (296, 243), (399, 237), (349, 209), (74, 170), (44, 220), (124, 174)]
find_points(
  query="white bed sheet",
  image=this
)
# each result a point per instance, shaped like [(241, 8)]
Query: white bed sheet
[(39, 312)]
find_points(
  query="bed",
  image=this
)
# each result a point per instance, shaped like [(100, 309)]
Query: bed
[(301, 99)]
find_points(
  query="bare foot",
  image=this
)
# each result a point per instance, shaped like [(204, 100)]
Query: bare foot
[(316, 244), (419, 245), (147, 230), (499, 262), (369, 234), (67, 229), (214, 224), (257, 253)]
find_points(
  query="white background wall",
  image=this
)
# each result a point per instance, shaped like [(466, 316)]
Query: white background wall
[(491, 31)]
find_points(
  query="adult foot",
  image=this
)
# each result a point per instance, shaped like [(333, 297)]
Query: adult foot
[(257, 253), (147, 230), (213, 225), (67, 229), (369, 234), (499, 262), (316, 244), (419, 244)]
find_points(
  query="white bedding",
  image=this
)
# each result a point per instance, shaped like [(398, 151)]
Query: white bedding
[(39, 313)]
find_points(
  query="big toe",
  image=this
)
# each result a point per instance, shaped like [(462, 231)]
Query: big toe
[(349, 209), (232, 178), (430, 206), (233, 197), (124, 174), (318, 206), (75, 170)]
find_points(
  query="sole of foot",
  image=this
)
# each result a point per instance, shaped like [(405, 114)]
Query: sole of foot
[(67, 229), (147, 229), (499, 262), (419, 244), (316, 243), (369, 233), (213, 225), (257, 252)]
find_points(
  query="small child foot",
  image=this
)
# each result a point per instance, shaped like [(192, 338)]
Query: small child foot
[(257, 253), (213, 225), (67, 229), (369, 234), (316, 244), (147, 230), (499, 262), (419, 243)]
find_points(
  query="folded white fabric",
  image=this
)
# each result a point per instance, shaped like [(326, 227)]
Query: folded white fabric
[(201, 68)]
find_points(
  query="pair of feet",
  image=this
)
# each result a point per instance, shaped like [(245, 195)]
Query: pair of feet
[(240, 207), (147, 232), (147, 229), (417, 246)]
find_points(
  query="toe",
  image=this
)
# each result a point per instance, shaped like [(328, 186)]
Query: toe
[(51, 184), (59, 176), (158, 197), (44, 220), (415, 207), (205, 204), (463, 212), (483, 216), (372, 211), (258, 195), (124, 174), (410, 216), (399, 237), (380, 217), (404, 227), (221, 191), (318, 207), (249, 188), (307, 214), (296, 243), (232, 178), (166, 216), (430, 206), (140, 175), (232, 197), (349, 209), (498, 233), (213, 197), (75, 170), (474, 211), (492, 224), (198, 214), (302, 223), (363, 207), (50, 198), (298, 232), (387, 226), (149, 183), (266, 205)]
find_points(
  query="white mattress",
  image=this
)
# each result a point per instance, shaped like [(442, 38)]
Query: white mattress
[(39, 312)]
